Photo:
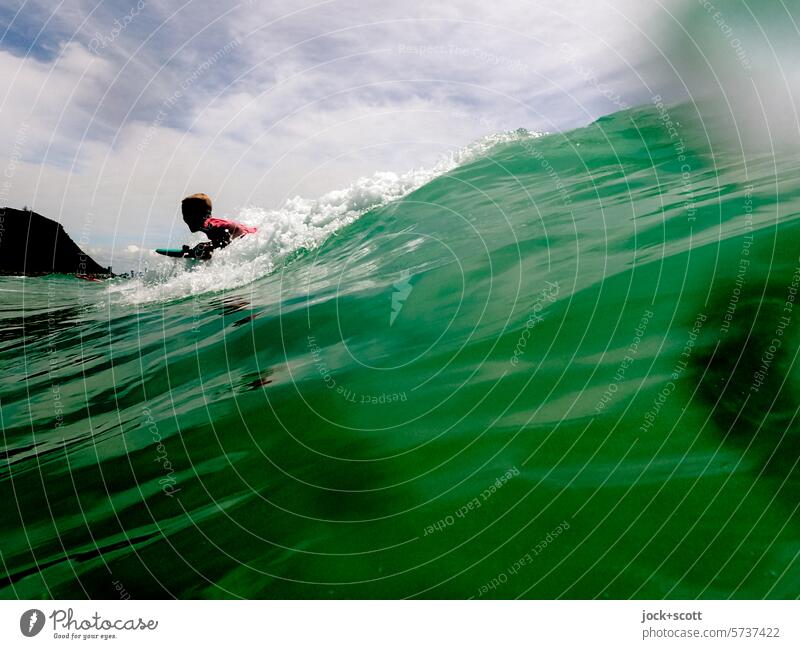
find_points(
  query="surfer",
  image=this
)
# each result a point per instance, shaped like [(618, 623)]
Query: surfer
[(197, 215)]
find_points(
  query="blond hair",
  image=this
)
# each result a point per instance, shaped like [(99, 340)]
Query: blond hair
[(199, 204)]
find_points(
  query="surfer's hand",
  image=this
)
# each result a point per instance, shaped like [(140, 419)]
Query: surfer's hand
[(202, 251)]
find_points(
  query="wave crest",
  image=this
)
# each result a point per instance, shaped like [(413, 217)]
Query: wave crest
[(301, 223)]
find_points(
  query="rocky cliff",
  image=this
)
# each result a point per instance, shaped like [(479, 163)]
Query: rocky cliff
[(31, 244)]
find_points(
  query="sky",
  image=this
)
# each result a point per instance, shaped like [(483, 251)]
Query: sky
[(114, 110)]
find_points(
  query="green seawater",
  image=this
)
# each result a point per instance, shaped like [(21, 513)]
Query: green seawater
[(565, 369)]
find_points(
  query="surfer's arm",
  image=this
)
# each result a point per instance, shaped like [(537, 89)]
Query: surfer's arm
[(200, 251), (219, 236)]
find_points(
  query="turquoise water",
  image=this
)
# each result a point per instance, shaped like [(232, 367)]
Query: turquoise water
[(562, 366)]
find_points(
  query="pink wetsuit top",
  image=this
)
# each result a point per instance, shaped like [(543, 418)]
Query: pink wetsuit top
[(221, 231)]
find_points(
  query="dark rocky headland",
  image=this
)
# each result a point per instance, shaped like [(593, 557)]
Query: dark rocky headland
[(31, 244)]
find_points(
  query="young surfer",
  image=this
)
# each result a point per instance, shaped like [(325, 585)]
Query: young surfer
[(197, 215)]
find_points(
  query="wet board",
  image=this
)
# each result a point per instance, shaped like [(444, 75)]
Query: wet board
[(174, 252)]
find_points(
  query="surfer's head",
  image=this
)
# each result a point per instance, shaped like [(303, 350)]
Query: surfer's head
[(196, 209)]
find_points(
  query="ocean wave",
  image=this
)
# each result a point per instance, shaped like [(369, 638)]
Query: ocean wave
[(301, 223)]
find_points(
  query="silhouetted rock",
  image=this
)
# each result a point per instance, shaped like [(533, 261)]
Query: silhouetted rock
[(31, 244)]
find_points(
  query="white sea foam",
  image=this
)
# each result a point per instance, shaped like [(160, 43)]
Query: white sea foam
[(299, 223)]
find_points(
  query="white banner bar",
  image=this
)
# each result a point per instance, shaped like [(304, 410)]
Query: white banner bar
[(399, 624)]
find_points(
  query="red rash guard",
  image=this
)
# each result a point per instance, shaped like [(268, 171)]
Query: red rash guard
[(222, 232)]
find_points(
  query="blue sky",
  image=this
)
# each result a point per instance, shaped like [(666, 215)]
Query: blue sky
[(115, 110)]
